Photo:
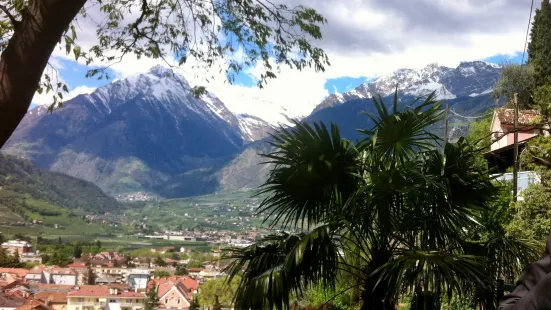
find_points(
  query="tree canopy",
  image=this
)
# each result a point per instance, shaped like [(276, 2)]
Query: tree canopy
[(539, 52), (218, 291)]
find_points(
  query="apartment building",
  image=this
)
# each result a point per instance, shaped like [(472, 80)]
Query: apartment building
[(19, 246), (83, 273), (98, 297), (52, 275), (136, 277)]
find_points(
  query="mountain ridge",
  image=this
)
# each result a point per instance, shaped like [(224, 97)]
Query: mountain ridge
[(147, 133), (449, 83)]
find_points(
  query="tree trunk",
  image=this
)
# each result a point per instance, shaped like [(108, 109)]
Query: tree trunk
[(374, 296), (27, 54)]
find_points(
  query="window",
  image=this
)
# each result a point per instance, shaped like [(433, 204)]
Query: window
[(178, 300), (166, 301)]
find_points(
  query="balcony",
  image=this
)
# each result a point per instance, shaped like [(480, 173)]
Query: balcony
[(131, 304), (88, 303)]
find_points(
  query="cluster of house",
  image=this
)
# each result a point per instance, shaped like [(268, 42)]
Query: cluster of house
[(107, 280), (54, 288)]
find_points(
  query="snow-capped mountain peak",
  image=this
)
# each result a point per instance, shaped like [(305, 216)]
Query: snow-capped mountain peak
[(253, 128), (161, 86), (468, 79)]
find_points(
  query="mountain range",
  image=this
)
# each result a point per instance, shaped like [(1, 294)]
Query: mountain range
[(148, 133)]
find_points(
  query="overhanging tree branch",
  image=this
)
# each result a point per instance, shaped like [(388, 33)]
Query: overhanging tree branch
[(12, 18)]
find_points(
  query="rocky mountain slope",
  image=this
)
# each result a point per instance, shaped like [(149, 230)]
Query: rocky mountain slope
[(147, 133), (469, 79), (131, 135), (254, 128)]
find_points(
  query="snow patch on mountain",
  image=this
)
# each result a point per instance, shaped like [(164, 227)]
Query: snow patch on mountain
[(472, 78), (487, 91), (254, 128)]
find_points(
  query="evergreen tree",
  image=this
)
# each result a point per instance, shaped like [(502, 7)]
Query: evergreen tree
[(532, 45), (77, 250), (539, 49), (3, 257), (181, 270), (194, 304), (217, 305), (151, 299)]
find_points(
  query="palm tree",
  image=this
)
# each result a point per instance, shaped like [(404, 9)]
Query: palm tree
[(386, 211)]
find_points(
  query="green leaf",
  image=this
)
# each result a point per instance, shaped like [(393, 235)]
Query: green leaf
[(76, 51)]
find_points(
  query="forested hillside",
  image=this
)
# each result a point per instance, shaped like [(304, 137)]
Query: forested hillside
[(21, 176)]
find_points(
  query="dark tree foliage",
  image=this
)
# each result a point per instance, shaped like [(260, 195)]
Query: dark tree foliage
[(8, 260), (151, 299), (539, 48), (194, 304), (217, 305)]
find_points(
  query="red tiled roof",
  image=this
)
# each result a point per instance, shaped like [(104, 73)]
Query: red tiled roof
[(10, 301), (33, 304), (52, 297), (49, 287), (191, 284), (77, 265), (20, 272), (166, 283), (37, 269), (15, 284), (195, 269)]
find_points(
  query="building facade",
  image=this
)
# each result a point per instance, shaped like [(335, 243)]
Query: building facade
[(17, 246), (96, 297)]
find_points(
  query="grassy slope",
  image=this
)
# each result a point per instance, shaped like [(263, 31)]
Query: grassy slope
[(22, 177), (28, 193)]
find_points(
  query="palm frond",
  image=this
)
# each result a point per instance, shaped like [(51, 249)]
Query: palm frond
[(400, 135), (441, 271), (283, 265), (315, 171)]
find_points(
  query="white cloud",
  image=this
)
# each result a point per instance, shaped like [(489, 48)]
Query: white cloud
[(79, 90), (368, 38), (47, 99)]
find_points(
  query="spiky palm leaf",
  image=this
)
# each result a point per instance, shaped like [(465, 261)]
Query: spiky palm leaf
[(315, 172), (440, 270), (283, 264)]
